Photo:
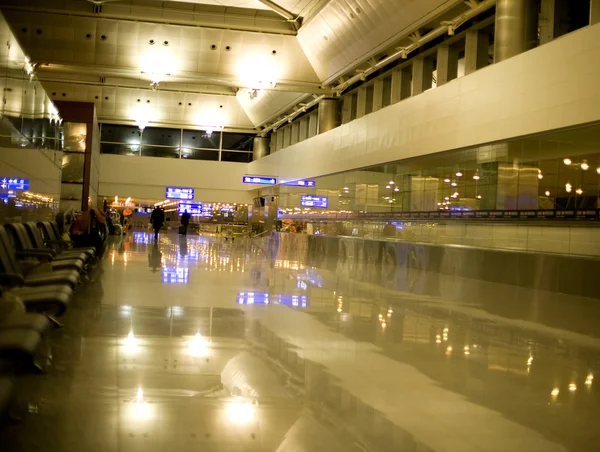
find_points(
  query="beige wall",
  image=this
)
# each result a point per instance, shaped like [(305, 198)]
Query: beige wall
[(553, 86), (147, 177)]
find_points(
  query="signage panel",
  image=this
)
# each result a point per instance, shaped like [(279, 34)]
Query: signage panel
[(10, 183), (192, 208), (259, 180), (321, 202), (301, 183), (179, 193)]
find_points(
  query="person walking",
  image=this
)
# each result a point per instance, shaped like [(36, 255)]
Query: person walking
[(185, 222), (157, 219)]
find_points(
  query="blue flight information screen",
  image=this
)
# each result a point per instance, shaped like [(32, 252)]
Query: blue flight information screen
[(302, 183), (321, 202), (9, 183), (179, 193), (192, 208), (259, 180)]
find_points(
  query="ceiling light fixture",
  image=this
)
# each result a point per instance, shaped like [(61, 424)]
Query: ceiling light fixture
[(547, 193), (476, 176), (585, 166), (459, 174), (448, 180), (568, 187), (567, 161), (579, 191)]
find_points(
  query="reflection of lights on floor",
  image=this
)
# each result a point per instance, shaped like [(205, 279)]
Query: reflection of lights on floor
[(383, 325), (438, 339), (589, 380), (530, 360), (555, 392), (130, 344), (467, 350), (572, 387), (449, 350), (125, 310), (198, 346), (241, 412), (139, 409)]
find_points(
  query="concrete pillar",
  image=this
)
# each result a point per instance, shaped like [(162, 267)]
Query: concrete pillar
[(447, 64), (422, 75), (547, 21), (362, 102), (378, 95), (516, 28), (347, 109), (261, 147), (594, 12), (330, 115), (477, 49)]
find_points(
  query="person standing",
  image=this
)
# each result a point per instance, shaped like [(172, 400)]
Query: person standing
[(157, 219), (185, 222)]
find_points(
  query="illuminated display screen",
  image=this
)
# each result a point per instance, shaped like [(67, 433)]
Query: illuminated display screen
[(179, 193), (192, 209), (262, 298), (9, 183), (259, 180), (321, 202), (175, 275), (302, 183)]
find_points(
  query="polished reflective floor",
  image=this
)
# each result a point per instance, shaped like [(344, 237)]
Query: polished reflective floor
[(204, 344)]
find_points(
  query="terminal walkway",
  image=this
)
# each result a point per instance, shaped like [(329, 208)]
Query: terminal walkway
[(203, 344)]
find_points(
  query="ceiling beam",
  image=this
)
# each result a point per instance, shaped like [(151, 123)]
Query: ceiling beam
[(265, 22), (295, 21), (185, 77)]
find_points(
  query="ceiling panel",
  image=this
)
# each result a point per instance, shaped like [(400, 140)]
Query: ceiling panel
[(345, 33), (299, 7), (123, 104), (267, 104), (51, 38)]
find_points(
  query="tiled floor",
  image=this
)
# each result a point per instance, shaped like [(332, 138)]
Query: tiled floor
[(202, 344)]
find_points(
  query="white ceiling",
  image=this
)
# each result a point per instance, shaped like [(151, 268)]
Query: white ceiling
[(298, 7)]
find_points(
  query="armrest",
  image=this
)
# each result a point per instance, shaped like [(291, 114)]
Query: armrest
[(11, 279), (37, 254)]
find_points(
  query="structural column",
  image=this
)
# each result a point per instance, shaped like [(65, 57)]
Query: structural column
[(330, 115), (594, 12), (447, 65), (401, 85), (378, 95), (422, 75), (477, 49), (547, 21), (516, 28), (261, 147)]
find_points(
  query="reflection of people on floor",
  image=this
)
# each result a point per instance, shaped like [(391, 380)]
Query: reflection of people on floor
[(183, 249), (154, 258)]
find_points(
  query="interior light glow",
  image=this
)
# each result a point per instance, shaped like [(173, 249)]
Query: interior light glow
[(568, 187), (555, 392), (448, 180), (476, 176), (547, 193), (396, 189), (387, 186), (598, 170), (567, 161), (530, 360), (454, 184), (585, 166), (589, 379), (572, 387), (579, 191), (198, 346), (240, 411), (459, 174)]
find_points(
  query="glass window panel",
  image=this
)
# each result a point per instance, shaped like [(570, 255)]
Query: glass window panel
[(159, 136), (120, 134), (242, 157), (72, 167), (152, 151), (119, 149), (75, 136), (238, 141), (200, 154), (200, 139), (370, 96)]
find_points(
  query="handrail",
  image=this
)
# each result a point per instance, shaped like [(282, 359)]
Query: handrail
[(264, 233)]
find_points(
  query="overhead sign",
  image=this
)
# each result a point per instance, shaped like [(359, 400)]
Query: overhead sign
[(9, 183), (180, 193), (321, 202), (301, 183), (259, 180), (191, 208)]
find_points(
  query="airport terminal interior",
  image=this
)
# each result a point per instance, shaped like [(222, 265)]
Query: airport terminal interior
[(300, 225)]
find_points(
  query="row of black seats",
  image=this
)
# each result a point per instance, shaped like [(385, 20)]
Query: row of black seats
[(38, 275)]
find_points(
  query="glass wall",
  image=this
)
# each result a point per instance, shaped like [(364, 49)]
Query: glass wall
[(551, 176), (30, 138), (177, 143)]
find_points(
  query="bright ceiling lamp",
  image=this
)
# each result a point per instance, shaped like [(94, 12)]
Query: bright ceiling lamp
[(142, 116), (256, 73), (156, 64), (210, 120)]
